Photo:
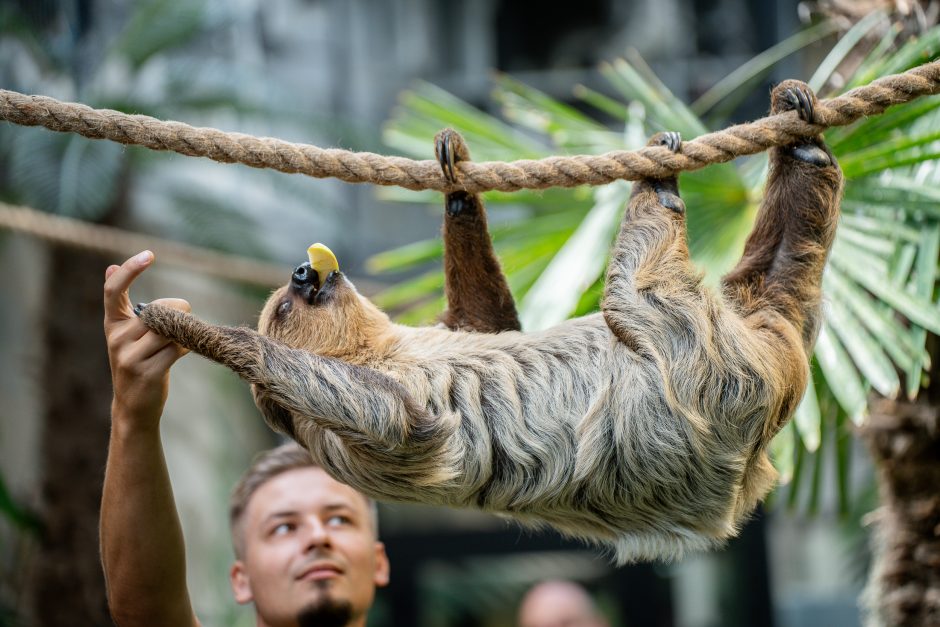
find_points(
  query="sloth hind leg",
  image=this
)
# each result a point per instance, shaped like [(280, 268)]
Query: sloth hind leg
[(651, 287), (478, 296), (781, 269)]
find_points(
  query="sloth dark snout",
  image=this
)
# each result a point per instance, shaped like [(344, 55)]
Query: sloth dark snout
[(304, 275), (305, 282)]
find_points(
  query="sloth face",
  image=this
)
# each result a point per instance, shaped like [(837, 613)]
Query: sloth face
[(331, 319)]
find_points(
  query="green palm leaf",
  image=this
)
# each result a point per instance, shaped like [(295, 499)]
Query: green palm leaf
[(732, 89), (807, 421), (577, 265)]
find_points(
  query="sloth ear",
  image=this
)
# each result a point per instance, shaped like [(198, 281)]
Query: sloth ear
[(276, 416)]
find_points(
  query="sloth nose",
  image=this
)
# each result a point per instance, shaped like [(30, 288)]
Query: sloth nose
[(303, 275)]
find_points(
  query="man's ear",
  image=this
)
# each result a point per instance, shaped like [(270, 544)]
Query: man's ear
[(241, 583), (382, 567)]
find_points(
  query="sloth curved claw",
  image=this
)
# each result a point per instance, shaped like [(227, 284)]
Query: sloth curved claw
[(450, 149), (445, 158), (793, 95), (670, 139), (802, 103)]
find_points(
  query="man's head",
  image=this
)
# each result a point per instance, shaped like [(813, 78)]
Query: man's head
[(306, 545), (559, 604)]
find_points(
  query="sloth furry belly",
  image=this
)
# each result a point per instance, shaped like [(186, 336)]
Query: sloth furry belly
[(568, 427)]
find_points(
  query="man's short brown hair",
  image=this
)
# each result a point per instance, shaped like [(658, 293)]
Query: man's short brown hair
[(264, 467)]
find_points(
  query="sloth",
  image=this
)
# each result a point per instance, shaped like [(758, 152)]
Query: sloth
[(642, 428)]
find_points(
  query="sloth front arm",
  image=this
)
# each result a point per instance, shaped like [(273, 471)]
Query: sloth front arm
[(295, 385)]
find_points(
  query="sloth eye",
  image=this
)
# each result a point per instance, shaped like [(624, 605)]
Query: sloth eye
[(283, 308)]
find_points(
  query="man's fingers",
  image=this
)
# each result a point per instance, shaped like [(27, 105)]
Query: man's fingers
[(148, 345), (128, 331), (167, 356), (117, 305), (147, 360)]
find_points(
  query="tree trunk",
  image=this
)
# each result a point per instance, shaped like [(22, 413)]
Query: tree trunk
[(904, 585), (66, 584)]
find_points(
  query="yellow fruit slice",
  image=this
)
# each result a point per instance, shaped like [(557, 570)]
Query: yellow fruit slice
[(322, 260)]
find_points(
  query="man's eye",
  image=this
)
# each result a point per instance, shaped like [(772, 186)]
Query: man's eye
[(282, 529), (338, 520)]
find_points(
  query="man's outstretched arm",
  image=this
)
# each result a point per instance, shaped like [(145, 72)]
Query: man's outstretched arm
[(142, 548)]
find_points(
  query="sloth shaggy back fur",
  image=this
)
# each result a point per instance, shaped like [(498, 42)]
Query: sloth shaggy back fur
[(643, 427)]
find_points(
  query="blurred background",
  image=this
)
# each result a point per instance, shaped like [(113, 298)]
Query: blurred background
[(519, 80)]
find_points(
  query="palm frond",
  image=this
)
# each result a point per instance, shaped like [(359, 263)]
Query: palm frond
[(845, 46), (577, 265), (64, 174), (724, 97)]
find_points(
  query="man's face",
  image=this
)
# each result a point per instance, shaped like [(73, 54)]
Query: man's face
[(308, 540)]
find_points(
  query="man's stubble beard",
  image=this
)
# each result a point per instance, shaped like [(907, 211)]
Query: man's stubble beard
[(326, 611)]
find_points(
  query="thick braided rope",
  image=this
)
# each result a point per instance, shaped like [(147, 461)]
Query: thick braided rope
[(365, 167), (109, 240)]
